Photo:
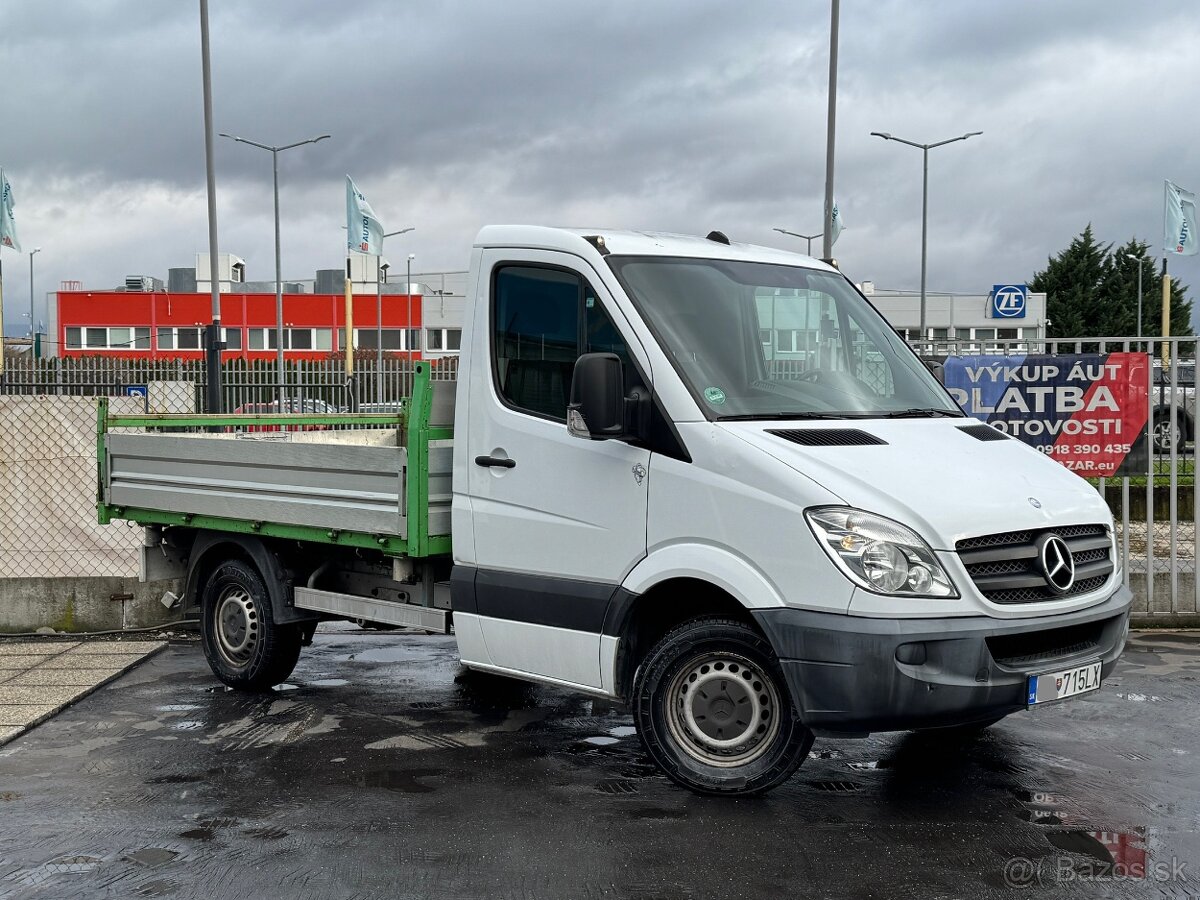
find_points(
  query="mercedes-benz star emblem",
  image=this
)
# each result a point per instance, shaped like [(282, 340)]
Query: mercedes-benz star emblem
[(1058, 565)]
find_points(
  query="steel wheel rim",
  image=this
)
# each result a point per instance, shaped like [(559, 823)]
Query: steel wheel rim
[(723, 710), (236, 626)]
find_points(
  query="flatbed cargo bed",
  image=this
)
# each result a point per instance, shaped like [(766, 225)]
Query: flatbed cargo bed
[(379, 481)]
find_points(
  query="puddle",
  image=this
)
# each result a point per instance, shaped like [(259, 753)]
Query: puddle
[(601, 740), (198, 834), (328, 682), (338, 759), (399, 780), (286, 687), (71, 865), (188, 725), (219, 689), (1144, 698), (867, 766), (623, 731), (177, 707)]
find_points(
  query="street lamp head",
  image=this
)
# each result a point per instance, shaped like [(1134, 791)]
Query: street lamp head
[(881, 134), (35, 250), (411, 257)]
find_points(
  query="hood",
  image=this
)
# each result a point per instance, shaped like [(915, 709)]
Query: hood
[(929, 475)]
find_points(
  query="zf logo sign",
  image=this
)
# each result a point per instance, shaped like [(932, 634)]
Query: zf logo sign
[(1008, 301)]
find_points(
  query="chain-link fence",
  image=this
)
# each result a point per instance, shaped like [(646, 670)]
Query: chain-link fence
[(48, 525)]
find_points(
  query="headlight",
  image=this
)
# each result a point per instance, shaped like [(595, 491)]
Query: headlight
[(878, 554)]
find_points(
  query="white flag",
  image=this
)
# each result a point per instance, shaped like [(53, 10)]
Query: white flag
[(8, 226), (364, 231), (1179, 221), (837, 225)]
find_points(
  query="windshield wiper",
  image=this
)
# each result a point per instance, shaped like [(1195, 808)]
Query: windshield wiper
[(751, 417), (917, 413)]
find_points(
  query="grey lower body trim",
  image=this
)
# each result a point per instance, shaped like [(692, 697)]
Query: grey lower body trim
[(856, 675)]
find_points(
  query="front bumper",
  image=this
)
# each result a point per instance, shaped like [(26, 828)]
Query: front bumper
[(856, 675)]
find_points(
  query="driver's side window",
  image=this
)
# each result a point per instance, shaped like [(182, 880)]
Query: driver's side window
[(543, 319)]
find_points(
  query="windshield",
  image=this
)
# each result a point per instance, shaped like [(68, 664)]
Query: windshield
[(765, 341)]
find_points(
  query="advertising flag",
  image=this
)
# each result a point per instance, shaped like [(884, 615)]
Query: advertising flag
[(1179, 221), (364, 231), (8, 226), (837, 225)]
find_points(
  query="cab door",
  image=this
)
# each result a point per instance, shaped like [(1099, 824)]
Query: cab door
[(557, 520)]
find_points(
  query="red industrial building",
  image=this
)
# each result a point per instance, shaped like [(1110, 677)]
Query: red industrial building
[(158, 324)]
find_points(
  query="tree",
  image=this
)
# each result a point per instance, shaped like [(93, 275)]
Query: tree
[(1091, 291)]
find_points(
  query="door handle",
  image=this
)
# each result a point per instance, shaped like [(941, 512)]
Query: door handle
[(502, 462)]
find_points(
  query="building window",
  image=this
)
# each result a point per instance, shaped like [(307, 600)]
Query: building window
[(445, 340), (985, 334), (1008, 334), (301, 339), (117, 338), (939, 334), (232, 338), (393, 338)]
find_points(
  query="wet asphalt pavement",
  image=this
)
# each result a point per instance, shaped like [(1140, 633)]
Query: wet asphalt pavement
[(374, 773)]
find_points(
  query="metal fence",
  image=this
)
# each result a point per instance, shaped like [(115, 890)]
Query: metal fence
[(246, 386)]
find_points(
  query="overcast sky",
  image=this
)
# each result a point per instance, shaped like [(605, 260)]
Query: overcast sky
[(664, 115)]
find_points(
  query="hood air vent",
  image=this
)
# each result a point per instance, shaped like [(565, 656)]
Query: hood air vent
[(983, 432), (827, 437)]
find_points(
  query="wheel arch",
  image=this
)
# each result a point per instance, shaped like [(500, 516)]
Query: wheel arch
[(211, 548)]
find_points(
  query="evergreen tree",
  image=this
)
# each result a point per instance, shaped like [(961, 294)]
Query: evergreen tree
[(1091, 291)]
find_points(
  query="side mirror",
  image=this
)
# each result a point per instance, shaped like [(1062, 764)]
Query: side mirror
[(597, 408)]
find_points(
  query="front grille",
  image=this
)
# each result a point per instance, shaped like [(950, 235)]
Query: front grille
[(1007, 569)]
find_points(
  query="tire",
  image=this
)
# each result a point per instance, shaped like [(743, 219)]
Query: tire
[(740, 737), (243, 645), (1168, 430)]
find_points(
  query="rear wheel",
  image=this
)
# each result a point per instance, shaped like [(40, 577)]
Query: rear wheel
[(713, 711), (243, 645)]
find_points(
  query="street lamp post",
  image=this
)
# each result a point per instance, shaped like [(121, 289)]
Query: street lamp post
[(275, 151), (1138, 259), (32, 320), (408, 293), (924, 148), (379, 317), (805, 237)]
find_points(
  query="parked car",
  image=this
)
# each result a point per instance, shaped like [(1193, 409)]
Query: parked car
[(293, 405), (1174, 411)]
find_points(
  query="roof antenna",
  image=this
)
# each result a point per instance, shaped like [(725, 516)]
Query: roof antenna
[(718, 237)]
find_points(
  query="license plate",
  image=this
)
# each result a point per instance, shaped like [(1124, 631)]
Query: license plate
[(1060, 685)]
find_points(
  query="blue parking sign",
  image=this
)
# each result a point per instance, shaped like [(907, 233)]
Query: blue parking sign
[(1008, 301), (140, 391)]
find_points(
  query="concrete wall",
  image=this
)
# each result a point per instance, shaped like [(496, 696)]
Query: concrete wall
[(83, 604)]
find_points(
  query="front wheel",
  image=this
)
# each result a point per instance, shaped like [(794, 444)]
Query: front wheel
[(713, 711), (243, 645)]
